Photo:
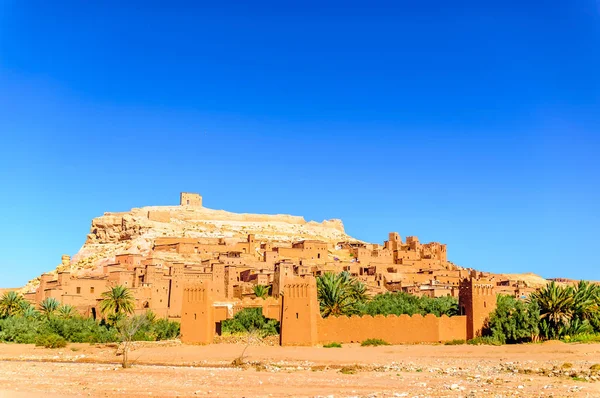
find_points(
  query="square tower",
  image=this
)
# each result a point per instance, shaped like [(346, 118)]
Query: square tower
[(190, 199)]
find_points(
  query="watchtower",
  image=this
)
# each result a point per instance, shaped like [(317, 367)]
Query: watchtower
[(395, 240), (197, 314), (190, 199), (299, 313), (476, 300)]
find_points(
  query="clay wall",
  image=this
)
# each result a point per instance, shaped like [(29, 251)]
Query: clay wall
[(129, 260), (363, 255), (406, 256), (302, 324), (393, 329), (121, 277)]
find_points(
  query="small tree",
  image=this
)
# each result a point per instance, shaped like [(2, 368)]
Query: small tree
[(261, 291), (66, 311), (340, 294), (556, 306), (49, 306), (11, 304), (117, 303), (28, 311), (513, 320), (127, 328)]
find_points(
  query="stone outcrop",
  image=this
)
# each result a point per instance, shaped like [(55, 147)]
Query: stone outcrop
[(135, 231)]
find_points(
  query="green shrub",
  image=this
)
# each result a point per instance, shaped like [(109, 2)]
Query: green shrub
[(82, 330), (484, 340), (163, 329), (332, 345), (455, 342), (248, 320), (583, 338), (513, 320), (403, 303), (29, 330), (51, 341), (16, 329), (374, 342)]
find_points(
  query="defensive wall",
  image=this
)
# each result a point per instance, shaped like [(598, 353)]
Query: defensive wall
[(301, 323)]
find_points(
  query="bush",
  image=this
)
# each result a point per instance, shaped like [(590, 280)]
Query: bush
[(583, 338), (455, 342), (51, 341), (374, 342), (21, 330), (513, 321), (30, 330), (248, 320), (163, 329), (332, 345), (403, 303), (484, 340), (156, 330), (82, 330)]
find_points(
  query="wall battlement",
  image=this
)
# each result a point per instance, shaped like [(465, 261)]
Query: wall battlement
[(302, 324)]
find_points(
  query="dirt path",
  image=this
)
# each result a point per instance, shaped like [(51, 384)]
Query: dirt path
[(542, 370)]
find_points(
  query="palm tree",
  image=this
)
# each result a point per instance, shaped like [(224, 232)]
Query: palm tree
[(117, 301), (556, 308), (339, 294), (586, 300), (66, 311), (358, 289), (261, 291), (29, 311), (10, 304), (49, 306)]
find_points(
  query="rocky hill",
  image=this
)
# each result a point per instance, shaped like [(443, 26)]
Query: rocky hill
[(135, 231)]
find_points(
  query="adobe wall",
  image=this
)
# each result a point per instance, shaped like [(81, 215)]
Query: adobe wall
[(393, 329), (302, 324)]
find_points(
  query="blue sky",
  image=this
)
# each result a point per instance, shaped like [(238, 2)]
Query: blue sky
[(473, 124)]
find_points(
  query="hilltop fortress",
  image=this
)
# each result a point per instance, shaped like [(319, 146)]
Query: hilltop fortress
[(158, 251)]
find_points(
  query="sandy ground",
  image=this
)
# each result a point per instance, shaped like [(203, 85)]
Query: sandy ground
[(170, 369)]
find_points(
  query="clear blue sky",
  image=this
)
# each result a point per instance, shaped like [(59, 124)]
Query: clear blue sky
[(470, 123)]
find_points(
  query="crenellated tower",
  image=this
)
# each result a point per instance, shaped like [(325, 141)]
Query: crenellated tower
[(197, 314), (477, 300), (299, 313)]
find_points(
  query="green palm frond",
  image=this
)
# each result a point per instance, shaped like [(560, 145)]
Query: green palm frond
[(116, 301)]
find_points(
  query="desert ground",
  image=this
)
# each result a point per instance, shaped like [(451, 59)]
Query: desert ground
[(170, 369)]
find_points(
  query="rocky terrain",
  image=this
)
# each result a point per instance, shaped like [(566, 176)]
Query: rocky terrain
[(135, 232), (551, 369)]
